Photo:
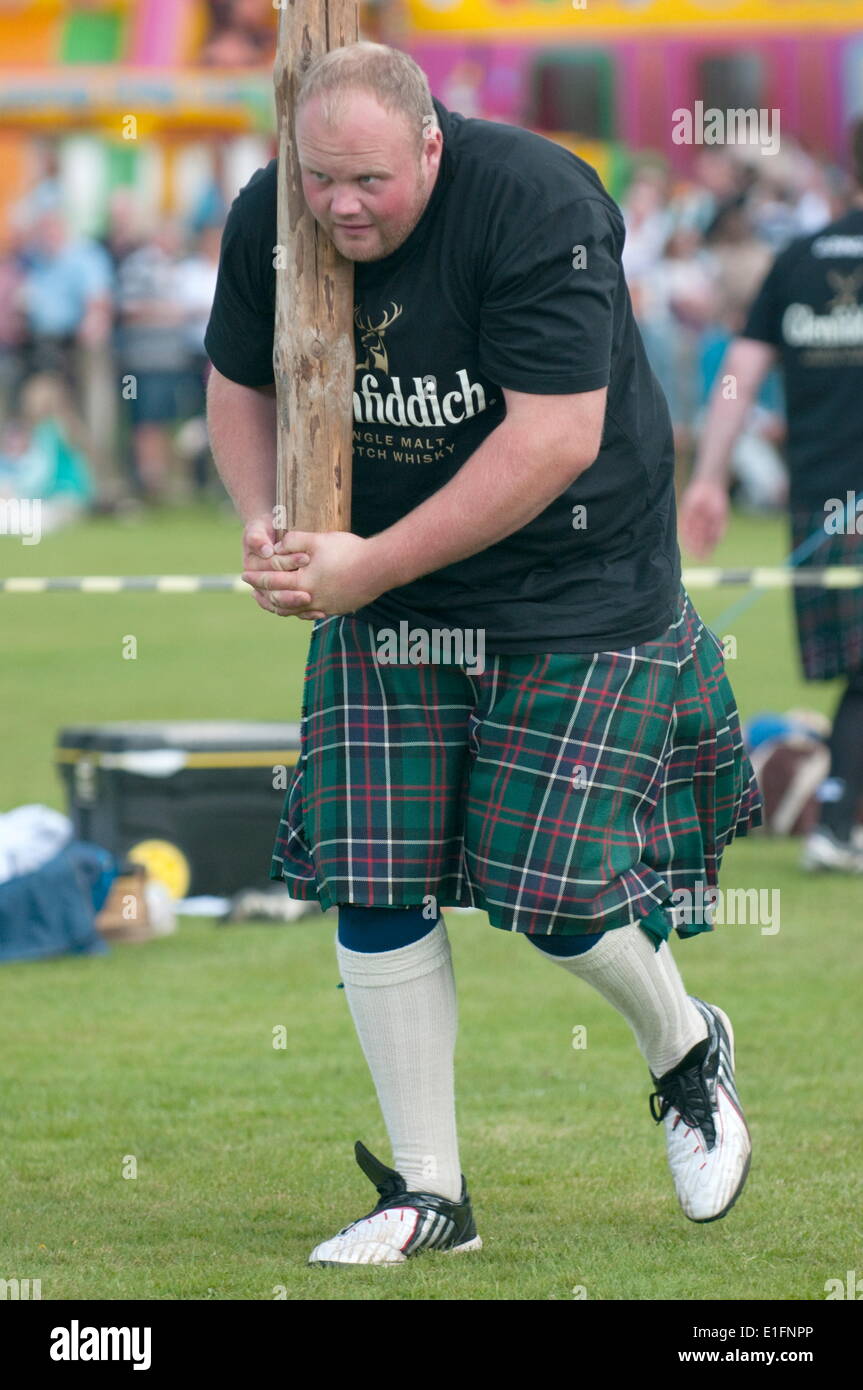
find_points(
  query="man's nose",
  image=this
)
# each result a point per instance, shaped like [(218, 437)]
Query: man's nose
[(345, 202)]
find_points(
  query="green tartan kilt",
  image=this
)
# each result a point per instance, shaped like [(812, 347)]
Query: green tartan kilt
[(829, 620), (561, 793)]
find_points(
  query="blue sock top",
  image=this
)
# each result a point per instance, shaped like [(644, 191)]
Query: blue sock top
[(383, 928)]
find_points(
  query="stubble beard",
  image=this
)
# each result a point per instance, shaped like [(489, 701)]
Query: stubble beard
[(385, 245)]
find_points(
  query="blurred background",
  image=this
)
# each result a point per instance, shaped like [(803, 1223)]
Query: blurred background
[(126, 130)]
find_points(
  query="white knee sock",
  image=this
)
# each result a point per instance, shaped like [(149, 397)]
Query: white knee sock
[(645, 986), (403, 1004)]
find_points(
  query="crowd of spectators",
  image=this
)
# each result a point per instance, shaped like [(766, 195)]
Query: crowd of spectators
[(241, 33), (696, 252), (102, 364)]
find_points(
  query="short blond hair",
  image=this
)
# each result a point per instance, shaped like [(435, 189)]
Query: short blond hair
[(397, 83)]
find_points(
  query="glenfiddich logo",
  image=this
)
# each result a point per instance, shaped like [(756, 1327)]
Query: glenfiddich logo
[(422, 406), (842, 327)]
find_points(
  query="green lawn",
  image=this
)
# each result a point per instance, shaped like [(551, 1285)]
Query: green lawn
[(163, 1052)]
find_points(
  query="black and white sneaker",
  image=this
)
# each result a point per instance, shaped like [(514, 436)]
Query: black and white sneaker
[(708, 1142), (402, 1224)]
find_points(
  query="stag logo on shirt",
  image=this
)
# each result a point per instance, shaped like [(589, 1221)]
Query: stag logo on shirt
[(372, 339), (846, 287)]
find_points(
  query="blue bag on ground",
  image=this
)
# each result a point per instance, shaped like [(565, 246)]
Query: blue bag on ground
[(52, 910)]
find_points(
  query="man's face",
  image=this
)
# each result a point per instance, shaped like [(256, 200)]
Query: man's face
[(50, 233), (362, 178)]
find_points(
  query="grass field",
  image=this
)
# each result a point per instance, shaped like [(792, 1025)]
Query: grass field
[(244, 1152)]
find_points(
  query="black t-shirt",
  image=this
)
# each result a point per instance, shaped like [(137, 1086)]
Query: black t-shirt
[(810, 309), (511, 278)]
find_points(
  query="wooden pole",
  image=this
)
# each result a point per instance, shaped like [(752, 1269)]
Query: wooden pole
[(313, 351)]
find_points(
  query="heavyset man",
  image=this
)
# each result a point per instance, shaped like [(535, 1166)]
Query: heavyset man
[(512, 490)]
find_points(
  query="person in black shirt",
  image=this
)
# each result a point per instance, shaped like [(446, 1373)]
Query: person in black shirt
[(510, 702), (808, 318)]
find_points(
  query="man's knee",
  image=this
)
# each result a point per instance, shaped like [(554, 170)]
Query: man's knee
[(565, 945)]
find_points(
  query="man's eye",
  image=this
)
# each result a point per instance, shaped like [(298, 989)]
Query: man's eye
[(373, 177)]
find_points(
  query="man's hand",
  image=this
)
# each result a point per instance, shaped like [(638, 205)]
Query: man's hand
[(259, 543), (703, 517), (259, 555), (337, 573)]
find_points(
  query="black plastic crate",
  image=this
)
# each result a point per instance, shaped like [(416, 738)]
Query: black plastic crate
[(203, 798)]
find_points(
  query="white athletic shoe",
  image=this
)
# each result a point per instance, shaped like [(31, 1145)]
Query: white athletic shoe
[(402, 1224), (822, 850), (708, 1142)]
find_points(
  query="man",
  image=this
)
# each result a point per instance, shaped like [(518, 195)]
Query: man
[(66, 299), (512, 489), (808, 318)]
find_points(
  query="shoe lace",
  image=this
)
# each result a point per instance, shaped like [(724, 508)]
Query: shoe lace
[(687, 1093)]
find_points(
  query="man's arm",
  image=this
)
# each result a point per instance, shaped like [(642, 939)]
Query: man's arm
[(704, 505), (747, 363), (242, 426), (540, 447)]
